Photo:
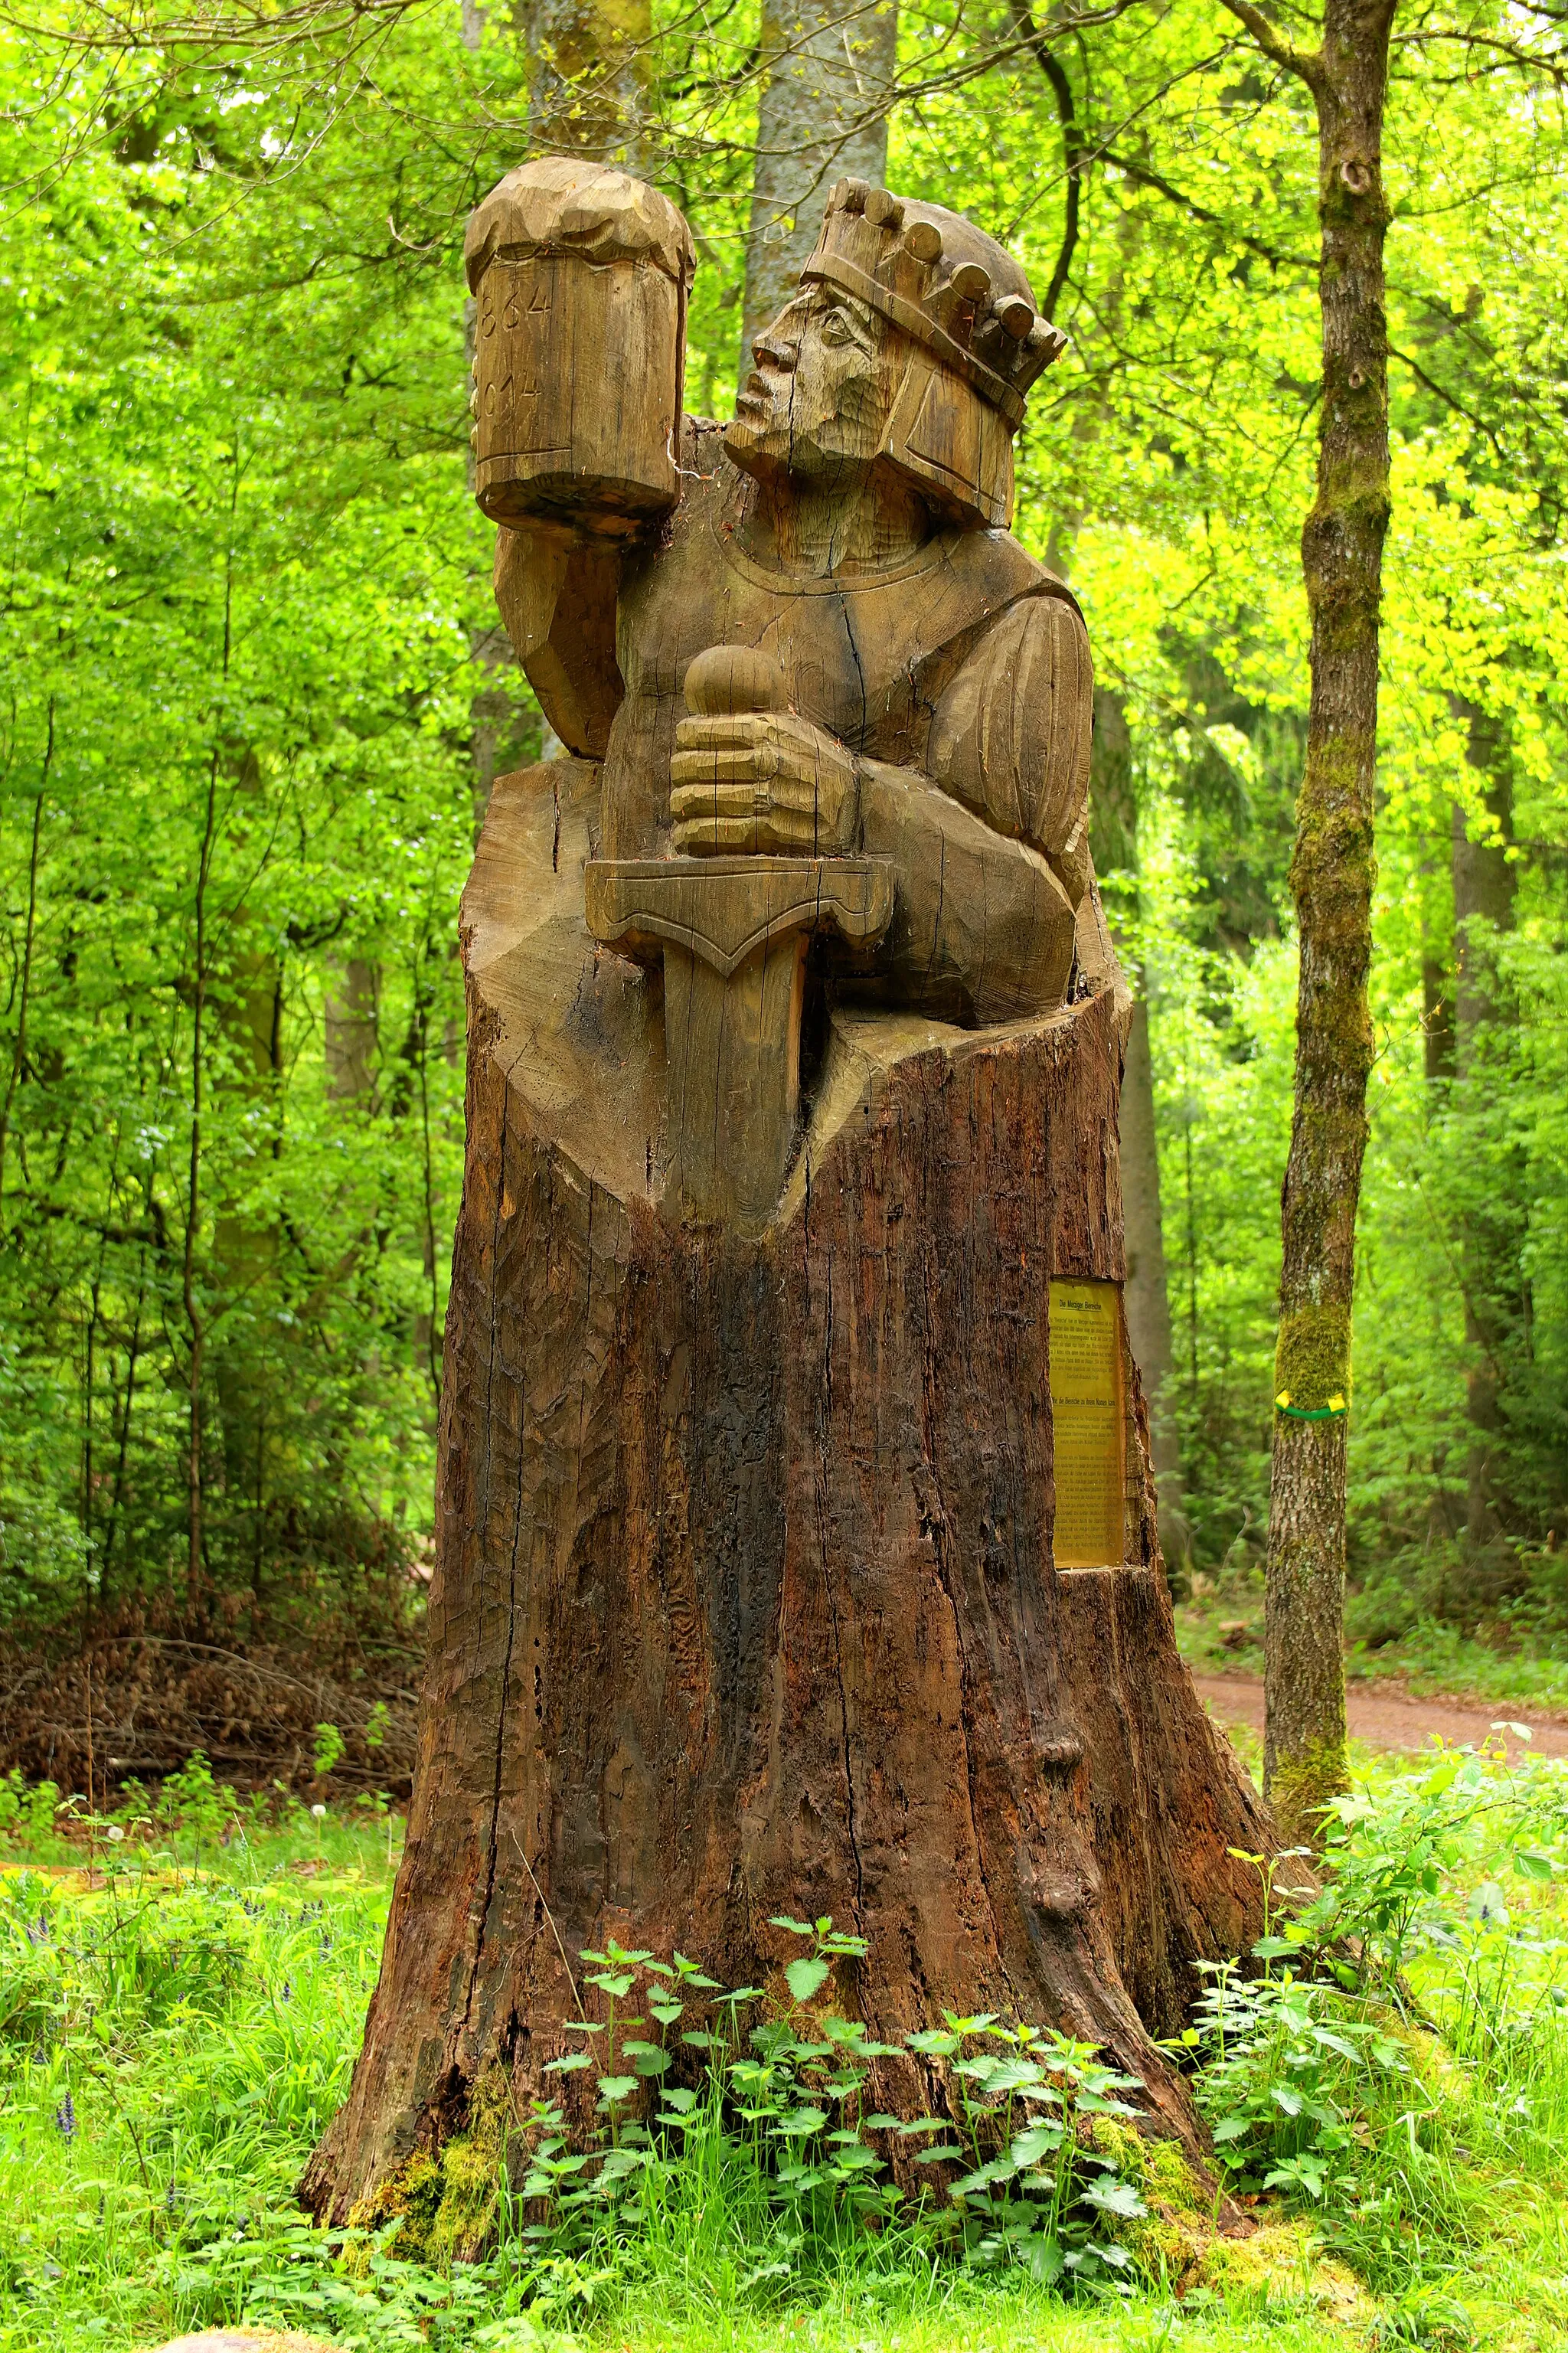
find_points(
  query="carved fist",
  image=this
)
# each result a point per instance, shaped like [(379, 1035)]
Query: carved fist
[(762, 780)]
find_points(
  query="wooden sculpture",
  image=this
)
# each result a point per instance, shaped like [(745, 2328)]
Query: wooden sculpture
[(796, 1548)]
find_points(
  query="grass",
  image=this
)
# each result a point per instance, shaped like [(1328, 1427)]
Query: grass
[(180, 2006)]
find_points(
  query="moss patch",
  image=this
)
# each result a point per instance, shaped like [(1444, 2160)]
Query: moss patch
[(1280, 2259), (1301, 1787), (1177, 2244), (1312, 1356), (445, 2202)]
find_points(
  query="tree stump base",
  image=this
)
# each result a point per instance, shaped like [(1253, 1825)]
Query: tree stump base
[(745, 1600)]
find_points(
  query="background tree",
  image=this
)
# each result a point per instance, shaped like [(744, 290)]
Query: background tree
[(822, 113)]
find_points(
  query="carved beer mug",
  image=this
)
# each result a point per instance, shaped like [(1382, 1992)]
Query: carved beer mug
[(924, 737), (581, 276)]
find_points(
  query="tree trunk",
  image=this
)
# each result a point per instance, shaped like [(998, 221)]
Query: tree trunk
[(823, 116), (1114, 838), (247, 1005), (353, 1029), (745, 1599), (1436, 1020), (1331, 882), (589, 76), (1147, 1298), (1484, 892)]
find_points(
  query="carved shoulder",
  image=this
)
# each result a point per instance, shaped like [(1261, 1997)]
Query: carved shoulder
[(1011, 733)]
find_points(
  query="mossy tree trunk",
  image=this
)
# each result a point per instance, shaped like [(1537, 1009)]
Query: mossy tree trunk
[(1331, 882)]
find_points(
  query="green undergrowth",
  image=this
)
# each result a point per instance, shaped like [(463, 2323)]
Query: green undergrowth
[(1386, 2078)]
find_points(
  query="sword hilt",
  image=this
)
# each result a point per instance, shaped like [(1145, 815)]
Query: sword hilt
[(727, 680)]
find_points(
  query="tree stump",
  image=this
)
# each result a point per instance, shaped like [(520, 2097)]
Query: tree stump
[(745, 1600)]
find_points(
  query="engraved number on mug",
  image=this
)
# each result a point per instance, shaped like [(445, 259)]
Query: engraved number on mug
[(515, 311), (511, 391)]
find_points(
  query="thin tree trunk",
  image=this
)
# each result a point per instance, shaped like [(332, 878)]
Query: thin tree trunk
[(353, 1030), (1436, 1020), (1331, 882), (248, 1009), (1483, 882), (118, 1495), (492, 710), (823, 115), (1484, 897), (194, 1319), (426, 1324), (1146, 1298), (25, 994)]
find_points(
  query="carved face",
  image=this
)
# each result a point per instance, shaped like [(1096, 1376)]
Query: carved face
[(816, 404)]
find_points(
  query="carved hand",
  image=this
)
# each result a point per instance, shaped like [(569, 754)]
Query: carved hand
[(762, 780)]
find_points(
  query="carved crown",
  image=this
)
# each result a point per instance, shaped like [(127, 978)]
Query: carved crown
[(943, 281)]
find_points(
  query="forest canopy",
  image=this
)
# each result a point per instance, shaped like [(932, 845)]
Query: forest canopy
[(255, 695)]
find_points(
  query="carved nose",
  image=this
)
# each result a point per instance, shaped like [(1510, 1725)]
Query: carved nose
[(767, 350)]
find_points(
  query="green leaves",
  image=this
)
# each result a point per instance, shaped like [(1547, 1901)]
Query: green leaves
[(1030, 2184), (807, 1976), (1115, 2197)]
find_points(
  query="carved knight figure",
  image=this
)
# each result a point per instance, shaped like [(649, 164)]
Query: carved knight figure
[(796, 1542), (834, 649)]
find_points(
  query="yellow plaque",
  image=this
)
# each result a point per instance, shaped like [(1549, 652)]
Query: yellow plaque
[(1090, 1438)]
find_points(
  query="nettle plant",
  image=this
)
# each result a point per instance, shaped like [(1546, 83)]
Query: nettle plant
[(1286, 2073), (783, 2085), (1284, 2062), (1296, 2054)]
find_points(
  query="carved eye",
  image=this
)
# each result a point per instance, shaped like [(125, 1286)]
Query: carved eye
[(836, 329)]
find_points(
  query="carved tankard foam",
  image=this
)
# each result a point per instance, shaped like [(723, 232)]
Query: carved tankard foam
[(796, 1542)]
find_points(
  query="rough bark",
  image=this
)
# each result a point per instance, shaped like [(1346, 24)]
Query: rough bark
[(822, 116), (1331, 882), (744, 1600)]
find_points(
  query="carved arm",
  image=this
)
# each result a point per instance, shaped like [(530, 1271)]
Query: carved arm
[(982, 928)]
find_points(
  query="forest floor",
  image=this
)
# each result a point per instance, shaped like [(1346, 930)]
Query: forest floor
[(181, 2003), (1512, 1673), (1386, 1716)]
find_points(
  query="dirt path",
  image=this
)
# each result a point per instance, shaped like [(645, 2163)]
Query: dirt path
[(1386, 1717)]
